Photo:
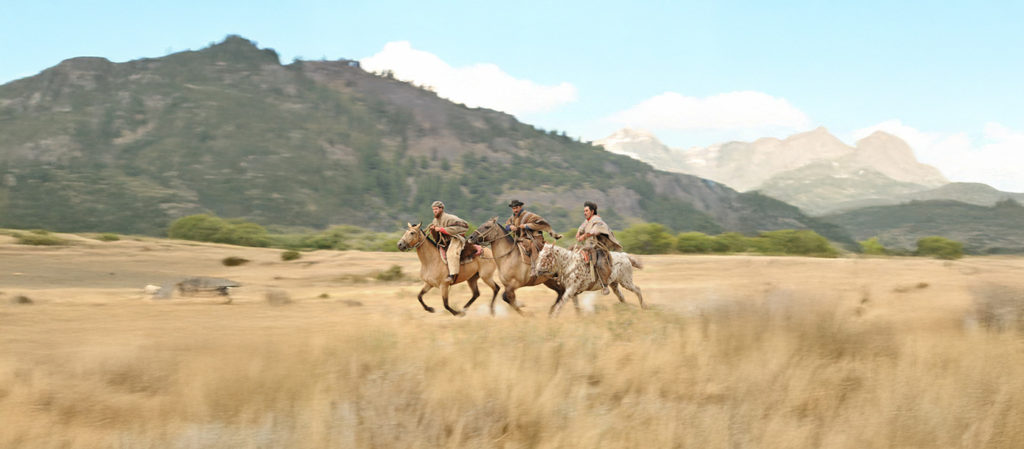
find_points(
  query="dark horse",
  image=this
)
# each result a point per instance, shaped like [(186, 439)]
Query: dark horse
[(513, 266)]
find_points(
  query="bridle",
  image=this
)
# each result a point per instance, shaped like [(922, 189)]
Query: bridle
[(422, 241), (488, 242)]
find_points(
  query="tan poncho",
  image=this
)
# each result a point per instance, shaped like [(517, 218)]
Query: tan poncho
[(604, 237), (535, 222), (455, 227)]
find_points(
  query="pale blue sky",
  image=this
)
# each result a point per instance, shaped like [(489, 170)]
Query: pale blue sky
[(946, 76)]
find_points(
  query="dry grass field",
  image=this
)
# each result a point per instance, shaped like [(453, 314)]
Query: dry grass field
[(736, 352)]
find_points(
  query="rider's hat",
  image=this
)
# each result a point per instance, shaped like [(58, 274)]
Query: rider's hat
[(515, 203), (437, 204)]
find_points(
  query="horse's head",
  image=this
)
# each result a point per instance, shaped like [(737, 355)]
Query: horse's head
[(413, 237), (546, 264), (487, 232)]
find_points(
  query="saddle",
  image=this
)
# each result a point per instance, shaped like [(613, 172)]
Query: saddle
[(528, 247), (469, 252)]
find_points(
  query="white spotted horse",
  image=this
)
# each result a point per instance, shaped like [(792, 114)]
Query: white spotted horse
[(576, 275)]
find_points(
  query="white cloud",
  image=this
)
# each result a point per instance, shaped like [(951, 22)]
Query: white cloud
[(995, 158), (752, 113), (478, 85)]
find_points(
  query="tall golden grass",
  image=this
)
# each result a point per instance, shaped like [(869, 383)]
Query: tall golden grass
[(782, 372)]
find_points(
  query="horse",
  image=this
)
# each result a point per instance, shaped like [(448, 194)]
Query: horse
[(434, 271), (513, 266), (576, 275)]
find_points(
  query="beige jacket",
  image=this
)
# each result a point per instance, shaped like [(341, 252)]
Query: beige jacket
[(604, 235), (454, 226)]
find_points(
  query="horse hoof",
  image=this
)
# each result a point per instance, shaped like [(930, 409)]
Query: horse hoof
[(429, 309)]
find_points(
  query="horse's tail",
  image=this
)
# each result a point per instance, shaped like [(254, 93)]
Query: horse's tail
[(635, 261)]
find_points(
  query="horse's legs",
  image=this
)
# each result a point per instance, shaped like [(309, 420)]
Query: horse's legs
[(510, 298), (554, 285), (569, 292), (495, 288), (615, 288), (636, 290), (445, 288), (426, 288), (476, 290)]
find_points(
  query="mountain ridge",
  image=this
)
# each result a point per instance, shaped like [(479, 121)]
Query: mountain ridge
[(802, 169), (92, 145)]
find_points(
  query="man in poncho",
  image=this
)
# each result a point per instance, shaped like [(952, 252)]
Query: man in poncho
[(597, 239)]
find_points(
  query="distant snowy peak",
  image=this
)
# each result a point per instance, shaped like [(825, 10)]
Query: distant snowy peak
[(894, 158), (642, 146), (627, 136)]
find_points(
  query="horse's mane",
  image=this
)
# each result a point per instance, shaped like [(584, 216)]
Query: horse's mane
[(507, 235)]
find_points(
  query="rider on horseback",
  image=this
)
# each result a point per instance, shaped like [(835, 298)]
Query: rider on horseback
[(449, 232), (528, 229), (597, 240)]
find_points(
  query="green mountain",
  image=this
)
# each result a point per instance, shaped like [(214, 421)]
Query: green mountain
[(982, 229), (966, 192), (91, 145)]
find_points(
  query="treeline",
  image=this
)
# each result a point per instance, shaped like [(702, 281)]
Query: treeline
[(645, 238), (210, 228), (933, 246), (654, 238)]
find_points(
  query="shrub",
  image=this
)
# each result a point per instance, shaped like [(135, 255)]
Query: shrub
[(243, 234), (939, 247), (291, 255), (695, 242), (209, 228), (646, 238), (391, 274), (200, 227), (732, 242), (108, 237), (234, 261), (873, 247), (39, 237), (790, 241)]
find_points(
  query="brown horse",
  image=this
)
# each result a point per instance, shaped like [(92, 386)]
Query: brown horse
[(513, 266), (434, 271)]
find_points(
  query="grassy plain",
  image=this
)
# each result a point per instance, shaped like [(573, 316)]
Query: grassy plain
[(736, 352)]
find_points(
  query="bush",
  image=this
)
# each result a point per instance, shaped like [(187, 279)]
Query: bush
[(391, 274), (291, 255), (790, 241), (873, 247), (209, 228), (695, 242), (108, 237), (647, 238), (731, 242), (243, 234), (201, 227), (234, 261), (939, 247), (39, 237)]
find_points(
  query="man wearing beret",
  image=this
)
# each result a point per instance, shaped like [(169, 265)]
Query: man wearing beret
[(450, 232), (528, 228)]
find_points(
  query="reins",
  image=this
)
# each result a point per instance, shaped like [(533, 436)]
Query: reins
[(488, 242), (425, 238)]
